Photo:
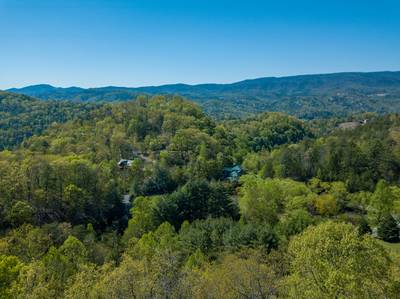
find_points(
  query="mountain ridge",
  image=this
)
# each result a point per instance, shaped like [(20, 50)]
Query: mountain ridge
[(16, 89), (305, 96)]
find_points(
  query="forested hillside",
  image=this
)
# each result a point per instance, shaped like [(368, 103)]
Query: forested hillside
[(307, 96), (358, 157), (22, 116), (265, 207)]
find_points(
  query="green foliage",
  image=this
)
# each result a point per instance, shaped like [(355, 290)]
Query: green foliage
[(169, 224), (245, 275), (22, 117), (21, 212), (48, 276), (261, 201), (204, 235), (333, 261), (382, 202), (295, 222), (26, 242), (388, 229), (9, 271), (326, 205), (144, 217), (359, 158), (159, 182), (40, 189), (267, 131), (197, 199)]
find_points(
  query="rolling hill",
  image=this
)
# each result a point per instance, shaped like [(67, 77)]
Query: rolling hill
[(305, 96), (22, 116)]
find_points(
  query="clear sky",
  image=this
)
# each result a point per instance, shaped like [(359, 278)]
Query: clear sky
[(146, 42)]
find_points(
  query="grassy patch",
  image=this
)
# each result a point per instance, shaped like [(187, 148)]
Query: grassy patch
[(391, 247)]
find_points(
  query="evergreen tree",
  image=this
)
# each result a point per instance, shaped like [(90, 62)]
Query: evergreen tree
[(388, 229)]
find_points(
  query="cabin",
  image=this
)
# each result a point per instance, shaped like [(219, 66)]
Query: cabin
[(232, 173), (124, 163)]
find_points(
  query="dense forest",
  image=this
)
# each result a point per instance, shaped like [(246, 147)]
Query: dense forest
[(153, 198), (306, 96), (22, 116)]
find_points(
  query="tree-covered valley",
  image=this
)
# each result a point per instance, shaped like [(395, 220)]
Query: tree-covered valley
[(154, 198)]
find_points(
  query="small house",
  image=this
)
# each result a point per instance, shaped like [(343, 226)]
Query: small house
[(123, 163), (233, 173)]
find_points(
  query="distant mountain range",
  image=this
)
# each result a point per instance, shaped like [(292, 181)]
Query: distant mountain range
[(306, 96)]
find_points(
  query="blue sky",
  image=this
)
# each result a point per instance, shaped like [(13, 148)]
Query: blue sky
[(135, 43)]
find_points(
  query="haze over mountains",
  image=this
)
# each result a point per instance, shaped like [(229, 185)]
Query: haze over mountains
[(306, 96)]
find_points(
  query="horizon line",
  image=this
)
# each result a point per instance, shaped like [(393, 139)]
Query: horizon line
[(199, 84)]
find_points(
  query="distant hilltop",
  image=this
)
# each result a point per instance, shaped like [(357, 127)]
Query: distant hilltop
[(306, 96)]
